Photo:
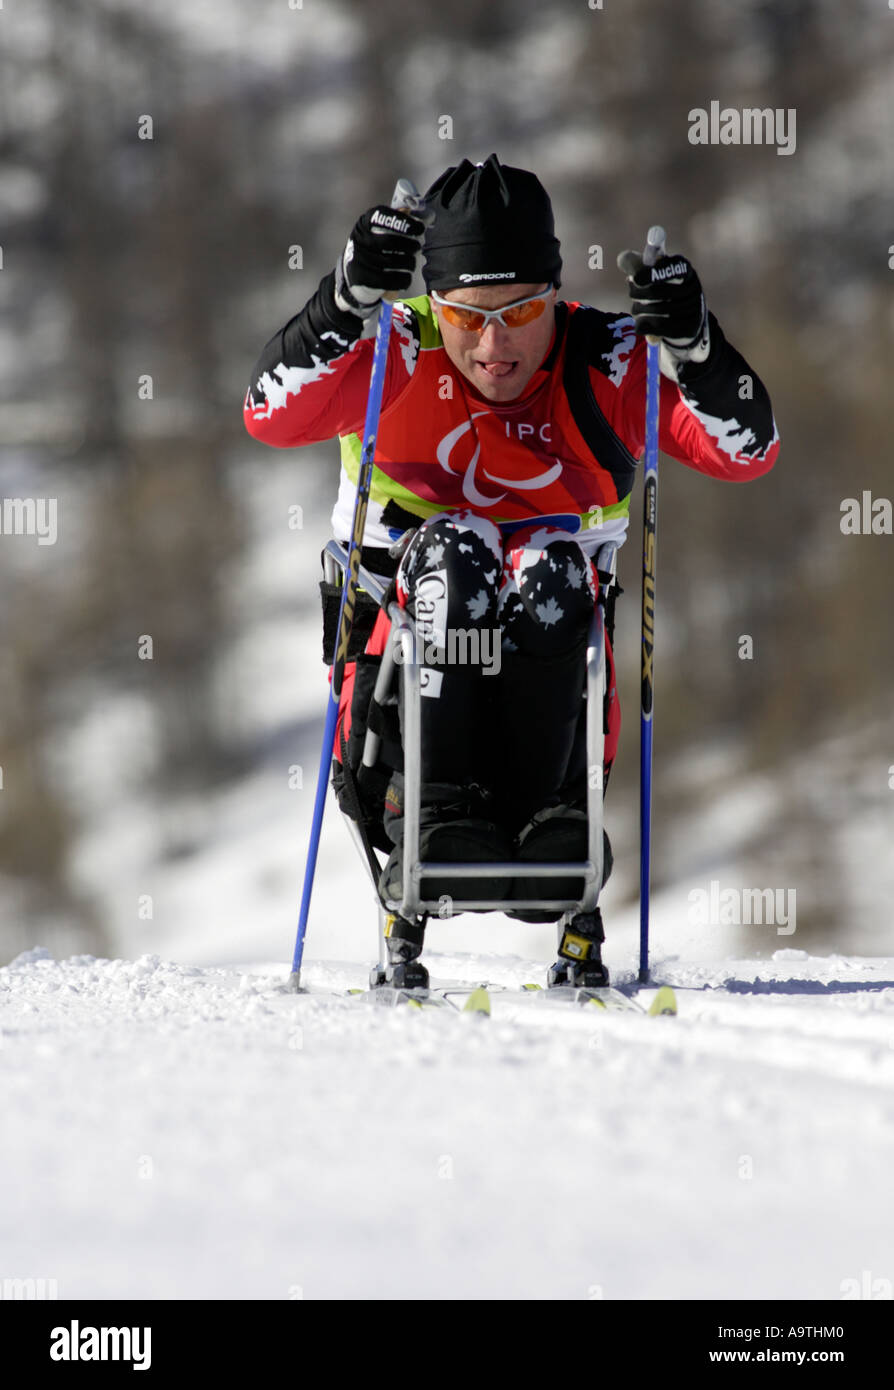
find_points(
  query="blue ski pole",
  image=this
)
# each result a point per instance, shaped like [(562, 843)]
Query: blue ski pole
[(405, 196), (654, 248)]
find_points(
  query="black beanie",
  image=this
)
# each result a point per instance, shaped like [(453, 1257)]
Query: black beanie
[(492, 224)]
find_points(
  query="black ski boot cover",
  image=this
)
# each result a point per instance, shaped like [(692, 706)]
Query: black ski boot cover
[(553, 835), (453, 829)]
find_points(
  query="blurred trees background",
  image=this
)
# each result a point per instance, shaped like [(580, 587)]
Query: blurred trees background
[(274, 125)]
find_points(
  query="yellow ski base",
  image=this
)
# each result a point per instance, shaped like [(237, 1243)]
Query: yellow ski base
[(607, 998), (478, 1002), (665, 1002)]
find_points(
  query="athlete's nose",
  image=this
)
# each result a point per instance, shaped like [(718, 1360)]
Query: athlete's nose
[(494, 338)]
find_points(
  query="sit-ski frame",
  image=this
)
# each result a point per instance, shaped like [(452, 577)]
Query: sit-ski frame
[(411, 905)]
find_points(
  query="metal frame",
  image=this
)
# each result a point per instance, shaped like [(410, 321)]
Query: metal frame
[(411, 903)]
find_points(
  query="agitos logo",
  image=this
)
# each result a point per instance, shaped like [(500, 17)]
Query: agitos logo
[(471, 492)]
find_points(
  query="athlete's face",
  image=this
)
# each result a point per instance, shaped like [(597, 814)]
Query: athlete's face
[(498, 361)]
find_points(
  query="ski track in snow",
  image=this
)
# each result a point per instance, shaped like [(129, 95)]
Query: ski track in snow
[(178, 1132)]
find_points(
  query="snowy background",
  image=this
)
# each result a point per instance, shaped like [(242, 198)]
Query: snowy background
[(176, 1126)]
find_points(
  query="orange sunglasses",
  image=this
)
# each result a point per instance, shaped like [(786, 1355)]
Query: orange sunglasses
[(514, 315)]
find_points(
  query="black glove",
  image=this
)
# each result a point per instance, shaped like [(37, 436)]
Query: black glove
[(379, 258), (668, 303)]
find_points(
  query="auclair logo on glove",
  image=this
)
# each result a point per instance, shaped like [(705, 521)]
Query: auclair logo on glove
[(393, 223), (669, 272)]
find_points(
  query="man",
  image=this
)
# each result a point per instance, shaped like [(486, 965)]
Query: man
[(510, 431)]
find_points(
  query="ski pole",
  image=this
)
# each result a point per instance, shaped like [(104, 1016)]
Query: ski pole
[(407, 198), (654, 248)]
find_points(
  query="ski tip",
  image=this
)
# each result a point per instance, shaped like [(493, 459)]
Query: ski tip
[(531, 987), (413, 1003), (478, 1002), (665, 1002)]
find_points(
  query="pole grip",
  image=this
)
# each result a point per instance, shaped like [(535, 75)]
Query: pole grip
[(407, 198), (655, 247)]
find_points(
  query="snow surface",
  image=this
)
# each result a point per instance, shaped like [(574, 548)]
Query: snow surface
[(175, 1126), (172, 1131)]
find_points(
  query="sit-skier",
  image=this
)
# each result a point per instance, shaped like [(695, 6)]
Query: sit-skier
[(511, 426)]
